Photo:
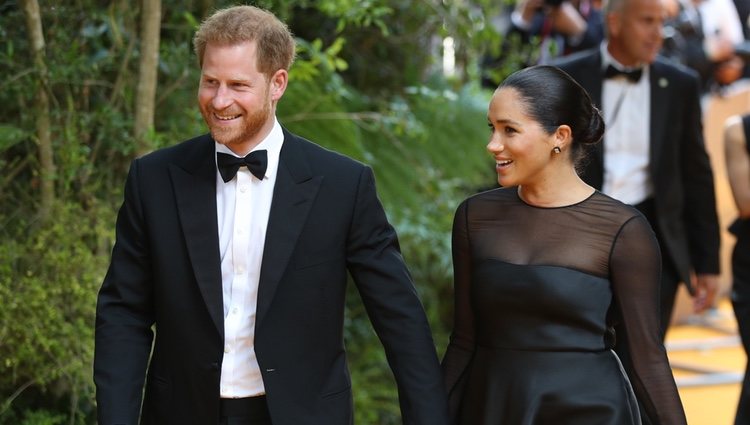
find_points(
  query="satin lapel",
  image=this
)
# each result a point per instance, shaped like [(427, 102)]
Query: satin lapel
[(660, 92), (195, 189), (592, 82), (595, 91), (293, 195)]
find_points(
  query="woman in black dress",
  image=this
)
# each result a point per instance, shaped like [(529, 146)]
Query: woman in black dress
[(544, 267)]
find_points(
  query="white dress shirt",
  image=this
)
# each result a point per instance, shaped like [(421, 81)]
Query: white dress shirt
[(242, 206), (626, 107)]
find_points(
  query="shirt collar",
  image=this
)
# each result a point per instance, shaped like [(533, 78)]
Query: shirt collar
[(608, 59)]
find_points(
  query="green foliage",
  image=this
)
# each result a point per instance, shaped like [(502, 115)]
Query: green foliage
[(514, 53), (400, 45), (43, 417), (365, 84), (315, 59), (48, 281), (11, 135)]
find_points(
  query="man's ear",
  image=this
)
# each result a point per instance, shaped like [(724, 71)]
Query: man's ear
[(612, 21), (279, 81)]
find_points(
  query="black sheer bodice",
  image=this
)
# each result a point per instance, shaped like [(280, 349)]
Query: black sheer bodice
[(537, 292)]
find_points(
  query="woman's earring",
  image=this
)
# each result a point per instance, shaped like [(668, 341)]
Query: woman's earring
[(556, 149)]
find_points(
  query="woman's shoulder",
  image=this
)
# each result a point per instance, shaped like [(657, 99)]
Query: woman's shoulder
[(611, 208), (487, 201), (499, 194)]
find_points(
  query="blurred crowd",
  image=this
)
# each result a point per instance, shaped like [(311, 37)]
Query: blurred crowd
[(709, 36)]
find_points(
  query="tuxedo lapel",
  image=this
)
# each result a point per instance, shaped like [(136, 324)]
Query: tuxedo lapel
[(293, 195), (660, 93), (592, 80), (194, 181), (594, 86)]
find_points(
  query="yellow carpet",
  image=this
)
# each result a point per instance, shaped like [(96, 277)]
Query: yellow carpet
[(708, 363)]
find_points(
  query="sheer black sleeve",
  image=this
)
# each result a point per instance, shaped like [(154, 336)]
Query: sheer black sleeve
[(635, 268), (461, 346)]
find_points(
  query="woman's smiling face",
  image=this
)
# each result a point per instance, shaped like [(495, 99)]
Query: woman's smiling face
[(519, 144)]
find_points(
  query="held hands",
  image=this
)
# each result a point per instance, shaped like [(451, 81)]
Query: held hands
[(706, 286)]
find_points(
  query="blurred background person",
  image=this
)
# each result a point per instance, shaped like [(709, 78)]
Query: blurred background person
[(737, 156), (705, 35), (743, 11), (540, 30)]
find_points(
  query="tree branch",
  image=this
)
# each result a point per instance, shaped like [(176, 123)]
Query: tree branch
[(42, 113)]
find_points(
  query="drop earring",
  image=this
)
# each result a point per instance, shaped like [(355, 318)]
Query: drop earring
[(556, 149)]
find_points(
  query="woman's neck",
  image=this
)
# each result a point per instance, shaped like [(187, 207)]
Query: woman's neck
[(560, 192)]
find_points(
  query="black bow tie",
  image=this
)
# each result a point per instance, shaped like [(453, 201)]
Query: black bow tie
[(256, 162), (633, 76)]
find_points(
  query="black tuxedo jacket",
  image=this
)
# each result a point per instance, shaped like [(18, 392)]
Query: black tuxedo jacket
[(160, 314), (679, 165)]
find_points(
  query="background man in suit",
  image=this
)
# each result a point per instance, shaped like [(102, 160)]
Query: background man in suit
[(653, 155), (243, 276)]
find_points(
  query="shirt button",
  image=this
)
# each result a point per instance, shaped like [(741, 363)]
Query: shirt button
[(235, 310), (226, 349), (243, 189)]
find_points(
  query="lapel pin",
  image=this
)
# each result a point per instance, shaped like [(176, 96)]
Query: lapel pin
[(663, 82)]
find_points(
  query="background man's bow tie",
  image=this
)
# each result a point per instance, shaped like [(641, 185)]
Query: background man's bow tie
[(633, 76), (255, 161)]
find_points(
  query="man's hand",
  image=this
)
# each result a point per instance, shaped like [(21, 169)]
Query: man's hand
[(729, 70), (706, 286)]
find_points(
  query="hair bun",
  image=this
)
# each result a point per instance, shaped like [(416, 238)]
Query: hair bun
[(595, 131)]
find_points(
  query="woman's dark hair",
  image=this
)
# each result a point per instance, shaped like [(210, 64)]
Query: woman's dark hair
[(553, 98)]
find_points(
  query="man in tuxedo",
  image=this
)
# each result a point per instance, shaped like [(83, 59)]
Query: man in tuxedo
[(225, 292), (653, 154)]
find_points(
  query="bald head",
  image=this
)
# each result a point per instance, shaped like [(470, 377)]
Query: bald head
[(634, 30)]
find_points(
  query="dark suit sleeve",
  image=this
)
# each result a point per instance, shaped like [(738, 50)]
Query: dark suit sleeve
[(124, 316), (699, 211), (384, 283), (696, 59)]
